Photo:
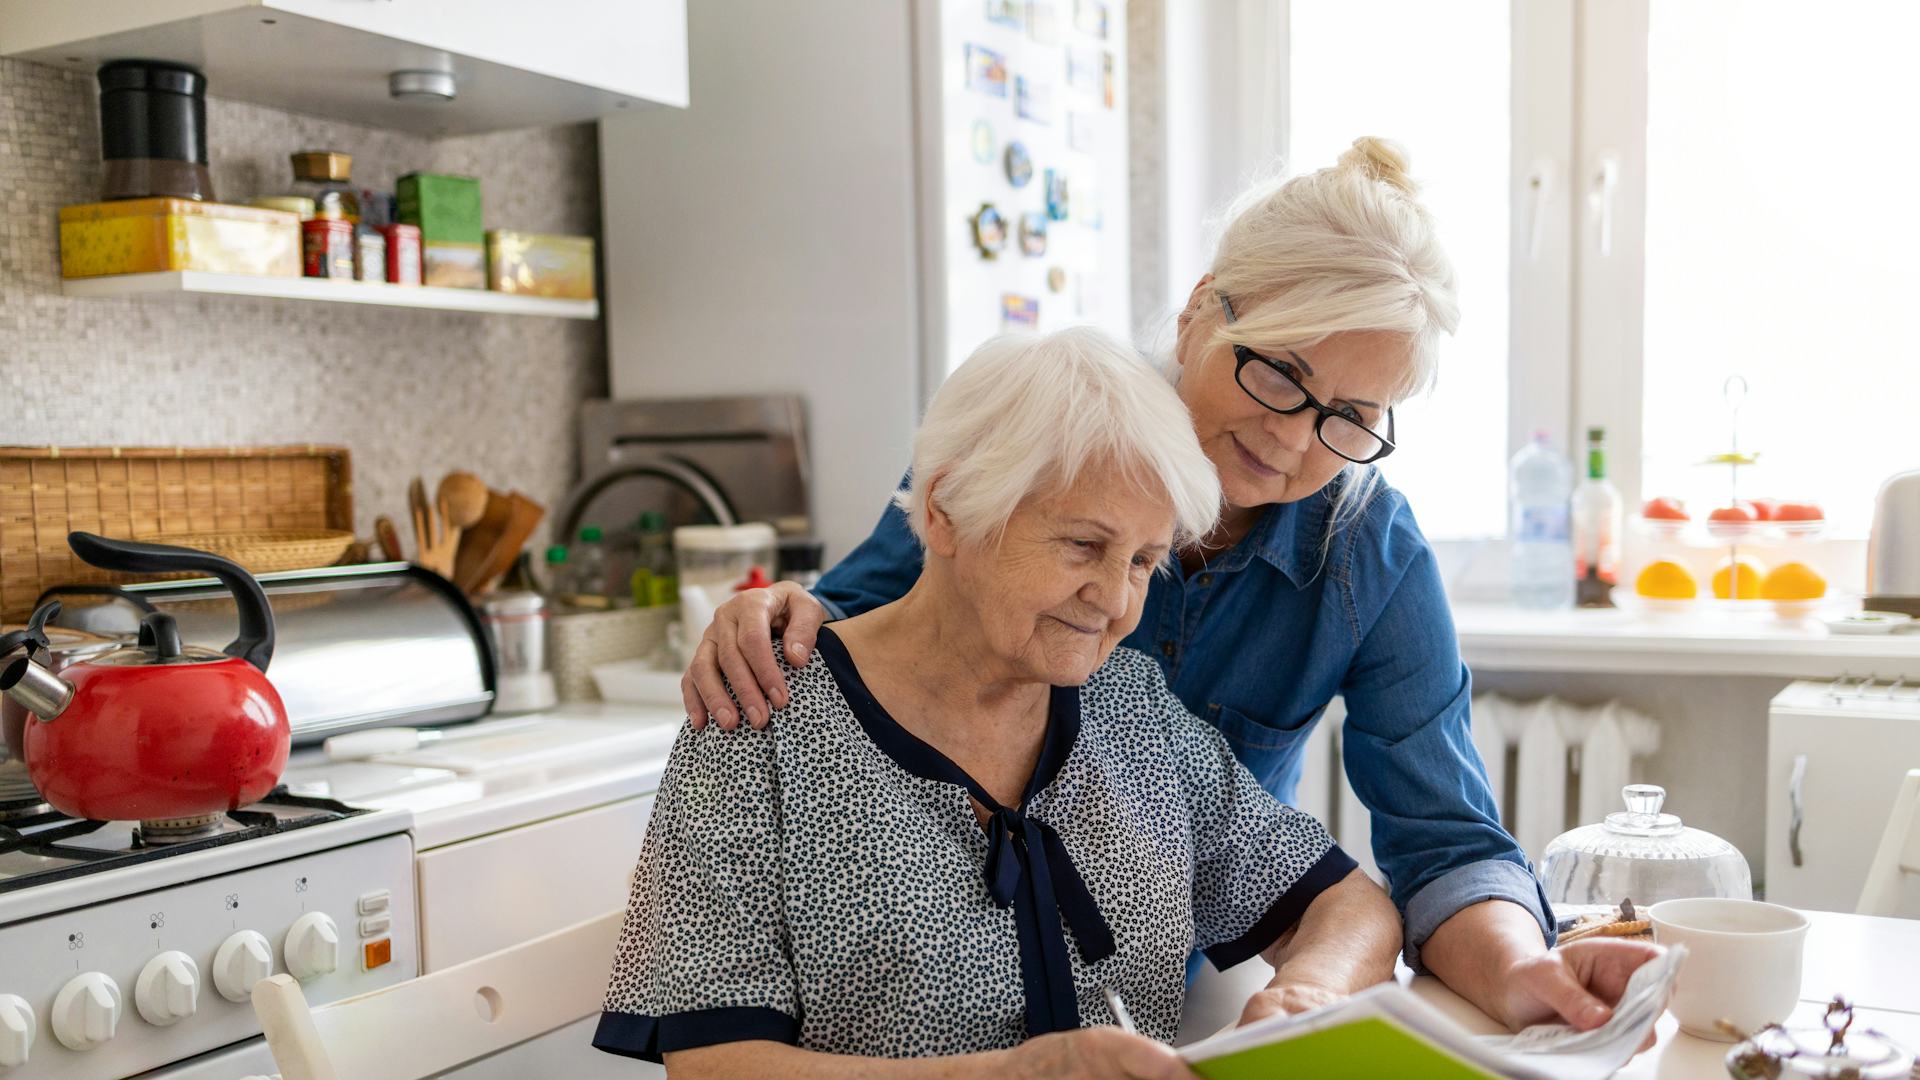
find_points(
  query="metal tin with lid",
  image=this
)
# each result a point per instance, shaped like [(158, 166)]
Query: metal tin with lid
[(1644, 855)]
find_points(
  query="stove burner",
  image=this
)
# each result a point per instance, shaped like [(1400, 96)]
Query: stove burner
[(49, 846), (16, 809), (174, 830)]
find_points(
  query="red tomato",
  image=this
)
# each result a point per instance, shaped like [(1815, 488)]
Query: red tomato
[(1766, 509), (1738, 512), (1798, 512), (1664, 509)]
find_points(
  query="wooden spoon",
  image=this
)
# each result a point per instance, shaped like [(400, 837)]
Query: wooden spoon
[(465, 498)]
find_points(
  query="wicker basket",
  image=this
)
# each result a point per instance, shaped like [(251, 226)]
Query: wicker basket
[(579, 640), (268, 508)]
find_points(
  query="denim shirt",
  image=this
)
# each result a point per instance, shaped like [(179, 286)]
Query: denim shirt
[(1262, 637)]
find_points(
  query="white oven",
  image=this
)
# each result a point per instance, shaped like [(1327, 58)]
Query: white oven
[(1836, 754)]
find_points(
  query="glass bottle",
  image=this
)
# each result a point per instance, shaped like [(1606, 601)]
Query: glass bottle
[(1597, 523), (654, 581)]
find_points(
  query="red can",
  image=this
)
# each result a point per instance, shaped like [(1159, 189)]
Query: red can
[(403, 253), (328, 245)]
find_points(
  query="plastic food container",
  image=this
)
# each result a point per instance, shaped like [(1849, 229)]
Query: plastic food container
[(714, 562), (1643, 855), (139, 236)]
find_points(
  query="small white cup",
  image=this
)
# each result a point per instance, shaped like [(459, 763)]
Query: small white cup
[(1742, 965)]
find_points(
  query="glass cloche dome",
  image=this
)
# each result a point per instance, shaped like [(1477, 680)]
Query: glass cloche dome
[(1643, 855)]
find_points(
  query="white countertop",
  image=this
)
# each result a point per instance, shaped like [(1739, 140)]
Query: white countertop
[(503, 773), (1504, 638)]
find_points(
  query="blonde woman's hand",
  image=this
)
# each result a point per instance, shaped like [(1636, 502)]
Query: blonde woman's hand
[(1101, 1053), (737, 650)]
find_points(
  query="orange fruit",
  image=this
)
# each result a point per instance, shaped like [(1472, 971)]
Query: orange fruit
[(1793, 581), (1750, 574), (1664, 509), (1666, 580)]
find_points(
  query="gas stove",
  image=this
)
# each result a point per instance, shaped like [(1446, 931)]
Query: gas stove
[(126, 948)]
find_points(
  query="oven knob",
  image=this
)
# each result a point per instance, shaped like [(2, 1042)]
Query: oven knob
[(86, 1011), (168, 989), (313, 946), (17, 1025), (242, 960)]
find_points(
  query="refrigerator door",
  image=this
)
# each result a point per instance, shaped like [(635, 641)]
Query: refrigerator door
[(1832, 774)]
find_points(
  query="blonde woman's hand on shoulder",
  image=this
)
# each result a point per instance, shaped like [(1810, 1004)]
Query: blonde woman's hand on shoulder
[(736, 651)]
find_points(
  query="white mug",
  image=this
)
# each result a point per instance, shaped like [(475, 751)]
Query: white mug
[(1742, 965)]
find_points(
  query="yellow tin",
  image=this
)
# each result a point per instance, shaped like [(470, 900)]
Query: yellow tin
[(533, 264), (138, 236)]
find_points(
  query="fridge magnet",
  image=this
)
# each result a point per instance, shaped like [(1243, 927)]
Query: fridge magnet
[(1080, 131), (1090, 17), (1083, 69), (1005, 13), (982, 140), (1043, 22), (1089, 208), (1056, 279), (986, 71), (1032, 100), (1033, 234), (989, 231), (1057, 205), (1019, 164), (1019, 311), (1106, 77)]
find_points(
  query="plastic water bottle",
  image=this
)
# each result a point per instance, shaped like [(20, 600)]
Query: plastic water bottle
[(1542, 481)]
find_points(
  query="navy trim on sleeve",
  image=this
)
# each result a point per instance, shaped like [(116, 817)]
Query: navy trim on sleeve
[(1332, 868), (649, 1037)]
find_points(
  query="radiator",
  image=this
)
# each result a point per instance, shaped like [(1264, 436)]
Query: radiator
[(1552, 765)]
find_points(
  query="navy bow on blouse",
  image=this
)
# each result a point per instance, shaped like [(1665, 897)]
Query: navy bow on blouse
[(1028, 866)]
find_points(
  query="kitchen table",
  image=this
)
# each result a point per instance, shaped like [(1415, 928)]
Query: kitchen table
[(1874, 962)]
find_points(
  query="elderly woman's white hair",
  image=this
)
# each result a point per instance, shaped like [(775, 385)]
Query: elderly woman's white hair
[(1027, 414)]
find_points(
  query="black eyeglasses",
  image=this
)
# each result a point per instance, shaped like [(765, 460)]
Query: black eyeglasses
[(1274, 385)]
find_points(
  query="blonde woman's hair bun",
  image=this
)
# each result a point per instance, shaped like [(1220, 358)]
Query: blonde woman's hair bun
[(1382, 160)]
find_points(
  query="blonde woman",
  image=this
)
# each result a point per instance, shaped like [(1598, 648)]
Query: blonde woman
[(1323, 308), (977, 816)]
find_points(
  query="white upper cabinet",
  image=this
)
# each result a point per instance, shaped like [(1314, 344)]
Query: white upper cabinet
[(515, 63)]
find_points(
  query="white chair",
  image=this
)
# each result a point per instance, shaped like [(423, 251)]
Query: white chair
[(1899, 852), (436, 1022)]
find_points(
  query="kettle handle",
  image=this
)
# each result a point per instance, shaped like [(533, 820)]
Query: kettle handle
[(255, 643)]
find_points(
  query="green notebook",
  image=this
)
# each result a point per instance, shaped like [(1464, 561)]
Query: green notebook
[(1389, 1031)]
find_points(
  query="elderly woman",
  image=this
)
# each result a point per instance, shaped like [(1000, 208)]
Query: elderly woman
[(1324, 307), (976, 815)]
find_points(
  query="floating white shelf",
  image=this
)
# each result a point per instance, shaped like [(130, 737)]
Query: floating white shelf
[(330, 290)]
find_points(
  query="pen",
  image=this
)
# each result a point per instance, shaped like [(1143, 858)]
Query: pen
[(1119, 1010)]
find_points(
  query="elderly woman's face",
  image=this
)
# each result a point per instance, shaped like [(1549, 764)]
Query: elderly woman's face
[(1069, 577), (1262, 456)]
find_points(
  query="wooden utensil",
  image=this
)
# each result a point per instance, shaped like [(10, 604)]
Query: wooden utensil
[(436, 554), (417, 510), (476, 544), (389, 538), (465, 496), (524, 517)]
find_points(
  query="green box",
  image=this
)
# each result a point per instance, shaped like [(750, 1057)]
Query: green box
[(447, 208)]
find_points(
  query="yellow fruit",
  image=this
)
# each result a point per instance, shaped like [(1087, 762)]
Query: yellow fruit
[(1793, 581), (1750, 575), (1666, 580)]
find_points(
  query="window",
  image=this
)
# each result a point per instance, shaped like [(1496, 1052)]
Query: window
[(1780, 246), (1439, 84)]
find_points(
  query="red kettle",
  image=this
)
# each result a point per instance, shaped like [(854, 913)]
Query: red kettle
[(167, 734)]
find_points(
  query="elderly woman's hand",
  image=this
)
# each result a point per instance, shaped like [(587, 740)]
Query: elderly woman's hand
[(1093, 1054), (737, 649), (1578, 983), (1285, 1000)]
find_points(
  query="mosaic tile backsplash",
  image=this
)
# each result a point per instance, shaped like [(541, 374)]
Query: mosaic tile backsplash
[(409, 392)]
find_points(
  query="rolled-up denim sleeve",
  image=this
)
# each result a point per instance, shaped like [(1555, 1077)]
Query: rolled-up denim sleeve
[(1409, 753), (879, 571)]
